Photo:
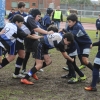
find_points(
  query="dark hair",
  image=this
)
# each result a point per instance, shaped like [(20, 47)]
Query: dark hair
[(18, 18), (21, 4), (13, 9), (49, 11), (69, 37), (52, 28), (72, 17), (35, 12)]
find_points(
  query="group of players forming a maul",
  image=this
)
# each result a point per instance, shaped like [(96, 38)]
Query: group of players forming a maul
[(39, 37)]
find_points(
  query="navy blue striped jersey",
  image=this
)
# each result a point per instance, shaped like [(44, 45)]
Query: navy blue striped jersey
[(46, 22), (80, 34)]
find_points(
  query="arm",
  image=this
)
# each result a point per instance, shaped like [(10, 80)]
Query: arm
[(66, 56), (61, 17), (96, 43), (2, 32), (43, 31), (53, 16), (34, 36)]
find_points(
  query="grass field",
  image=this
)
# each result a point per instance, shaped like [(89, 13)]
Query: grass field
[(50, 86), (84, 19)]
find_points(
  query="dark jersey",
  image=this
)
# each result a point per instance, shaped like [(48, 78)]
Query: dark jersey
[(22, 14), (80, 35), (46, 22), (98, 24)]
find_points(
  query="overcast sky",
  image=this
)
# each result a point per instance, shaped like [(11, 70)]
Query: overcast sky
[(94, 0)]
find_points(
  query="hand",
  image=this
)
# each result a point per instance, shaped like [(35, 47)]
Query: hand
[(91, 46), (50, 32), (72, 60), (2, 31), (60, 30)]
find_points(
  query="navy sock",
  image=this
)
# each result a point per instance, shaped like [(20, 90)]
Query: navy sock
[(27, 55), (17, 70), (95, 75), (19, 62), (4, 62), (31, 72), (71, 69), (89, 65)]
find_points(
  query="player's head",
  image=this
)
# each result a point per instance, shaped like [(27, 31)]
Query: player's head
[(49, 11), (68, 38), (21, 6), (18, 20), (72, 19), (36, 14), (52, 28), (13, 10)]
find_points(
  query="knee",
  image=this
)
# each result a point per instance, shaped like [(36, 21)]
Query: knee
[(48, 62), (22, 55), (85, 61)]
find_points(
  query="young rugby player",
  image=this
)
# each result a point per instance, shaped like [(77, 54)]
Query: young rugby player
[(83, 40), (42, 59), (46, 21)]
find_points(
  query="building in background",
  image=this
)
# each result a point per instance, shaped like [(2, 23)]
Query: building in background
[(41, 4)]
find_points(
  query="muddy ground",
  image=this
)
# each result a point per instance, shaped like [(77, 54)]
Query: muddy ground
[(50, 85)]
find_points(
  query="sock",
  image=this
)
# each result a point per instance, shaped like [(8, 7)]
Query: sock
[(31, 72), (27, 55), (4, 62), (77, 69), (70, 73), (95, 76), (71, 69), (96, 34), (19, 62), (16, 70), (89, 65)]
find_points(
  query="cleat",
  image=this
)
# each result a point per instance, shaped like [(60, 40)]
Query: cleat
[(18, 76), (66, 68), (66, 76), (35, 76), (82, 78), (72, 80), (41, 70), (82, 66), (25, 81), (24, 72), (89, 88)]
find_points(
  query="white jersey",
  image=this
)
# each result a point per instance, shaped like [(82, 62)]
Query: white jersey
[(51, 38), (9, 37)]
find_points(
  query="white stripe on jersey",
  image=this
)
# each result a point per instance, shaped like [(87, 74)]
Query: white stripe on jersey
[(25, 29), (54, 37), (10, 30), (97, 61)]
